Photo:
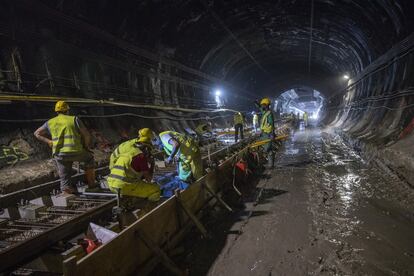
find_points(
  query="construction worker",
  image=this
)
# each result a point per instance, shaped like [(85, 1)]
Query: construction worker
[(132, 168), (255, 121), (305, 119), (297, 120), (132, 146), (203, 128), (70, 141), (267, 129), (238, 120), (190, 165)]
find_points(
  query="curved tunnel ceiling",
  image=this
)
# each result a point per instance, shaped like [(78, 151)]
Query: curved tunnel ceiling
[(261, 46)]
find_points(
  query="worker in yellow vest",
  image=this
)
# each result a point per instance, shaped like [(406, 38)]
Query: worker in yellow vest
[(255, 121), (305, 119), (238, 120), (267, 129), (190, 165), (132, 168), (70, 141), (203, 128), (143, 143)]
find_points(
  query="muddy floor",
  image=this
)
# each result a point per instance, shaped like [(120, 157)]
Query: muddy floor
[(322, 211)]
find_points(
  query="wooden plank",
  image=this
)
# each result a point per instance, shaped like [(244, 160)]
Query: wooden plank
[(125, 253), (69, 266), (165, 260), (219, 199), (190, 214)]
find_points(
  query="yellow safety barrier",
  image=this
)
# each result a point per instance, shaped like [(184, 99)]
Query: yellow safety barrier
[(262, 142)]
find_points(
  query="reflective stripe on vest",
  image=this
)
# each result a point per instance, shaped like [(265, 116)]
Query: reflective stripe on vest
[(238, 119), (66, 137), (127, 147), (264, 124), (187, 144), (165, 137), (122, 172)]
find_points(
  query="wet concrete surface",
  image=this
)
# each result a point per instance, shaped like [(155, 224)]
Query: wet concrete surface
[(321, 211)]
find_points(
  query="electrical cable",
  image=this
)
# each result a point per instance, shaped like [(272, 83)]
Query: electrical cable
[(106, 102), (115, 116)]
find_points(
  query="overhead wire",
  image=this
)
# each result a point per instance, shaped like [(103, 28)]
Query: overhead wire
[(115, 116), (107, 102)]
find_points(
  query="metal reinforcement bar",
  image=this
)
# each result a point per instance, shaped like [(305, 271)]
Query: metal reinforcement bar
[(12, 199), (128, 254), (24, 251)]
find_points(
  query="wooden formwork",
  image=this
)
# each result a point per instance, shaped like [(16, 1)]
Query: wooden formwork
[(143, 244)]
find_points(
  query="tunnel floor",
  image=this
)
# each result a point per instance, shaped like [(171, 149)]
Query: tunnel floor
[(323, 210)]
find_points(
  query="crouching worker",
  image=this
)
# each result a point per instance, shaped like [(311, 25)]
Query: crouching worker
[(70, 141), (132, 168), (190, 165), (203, 128)]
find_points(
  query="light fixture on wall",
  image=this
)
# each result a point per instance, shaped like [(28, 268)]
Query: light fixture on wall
[(345, 77), (218, 92)]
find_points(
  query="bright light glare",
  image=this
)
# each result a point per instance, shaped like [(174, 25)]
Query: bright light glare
[(346, 77), (218, 92)]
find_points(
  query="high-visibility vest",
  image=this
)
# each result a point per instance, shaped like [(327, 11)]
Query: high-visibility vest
[(122, 172), (127, 147), (255, 119), (66, 136), (264, 124), (238, 119), (202, 128), (187, 144)]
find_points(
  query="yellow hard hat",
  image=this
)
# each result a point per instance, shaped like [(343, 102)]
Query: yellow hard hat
[(145, 135), (61, 106), (265, 101)]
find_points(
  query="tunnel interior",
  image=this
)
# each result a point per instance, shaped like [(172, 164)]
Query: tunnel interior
[(300, 100), (173, 65)]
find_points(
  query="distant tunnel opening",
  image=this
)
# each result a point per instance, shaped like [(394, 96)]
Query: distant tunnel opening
[(297, 101)]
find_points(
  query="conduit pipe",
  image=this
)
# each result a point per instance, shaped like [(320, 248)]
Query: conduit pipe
[(107, 102), (115, 115)]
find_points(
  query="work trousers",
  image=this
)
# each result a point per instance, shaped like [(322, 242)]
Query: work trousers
[(64, 167), (255, 127), (238, 128), (190, 167), (141, 189), (268, 147)]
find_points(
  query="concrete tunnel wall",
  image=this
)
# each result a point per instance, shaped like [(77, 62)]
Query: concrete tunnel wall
[(251, 49)]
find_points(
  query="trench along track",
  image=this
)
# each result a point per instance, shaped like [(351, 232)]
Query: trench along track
[(22, 238)]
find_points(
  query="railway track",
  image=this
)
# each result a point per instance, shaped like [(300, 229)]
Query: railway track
[(35, 219)]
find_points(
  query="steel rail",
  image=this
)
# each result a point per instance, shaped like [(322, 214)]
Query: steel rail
[(23, 251), (12, 199)]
